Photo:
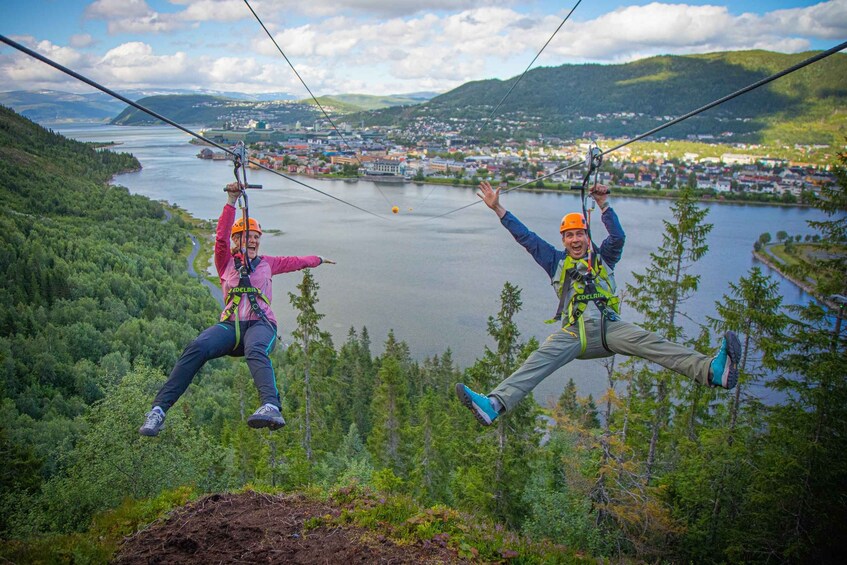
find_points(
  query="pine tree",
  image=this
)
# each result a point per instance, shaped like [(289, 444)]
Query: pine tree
[(753, 311), (515, 433), (712, 471), (313, 343), (797, 506), (353, 380), (567, 402), (659, 293), (390, 410)]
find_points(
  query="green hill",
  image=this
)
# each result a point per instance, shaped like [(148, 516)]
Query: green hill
[(624, 100), (346, 103), (209, 110), (805, 107), (205, 110)]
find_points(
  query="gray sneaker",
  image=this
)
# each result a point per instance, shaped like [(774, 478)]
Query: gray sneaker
[(153, 423), (267, 416)]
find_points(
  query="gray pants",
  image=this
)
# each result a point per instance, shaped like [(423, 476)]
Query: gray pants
[(622, 337)]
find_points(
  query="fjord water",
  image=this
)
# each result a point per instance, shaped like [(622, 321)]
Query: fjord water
[(435, 281)]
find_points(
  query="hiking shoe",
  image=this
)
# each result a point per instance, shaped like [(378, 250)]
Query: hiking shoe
[(725, 364), (153, 423), (478, 404), (267, 416)]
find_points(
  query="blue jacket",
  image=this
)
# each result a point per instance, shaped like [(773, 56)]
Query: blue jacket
[(548, 256), (551, 259)]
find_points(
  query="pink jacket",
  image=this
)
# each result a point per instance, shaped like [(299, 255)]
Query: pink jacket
[(261, 277)]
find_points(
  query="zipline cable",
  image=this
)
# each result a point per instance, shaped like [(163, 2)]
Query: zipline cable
[(510, 189), (746, 89), (533, 61), (309, 90), (494, 111), (98, 86)]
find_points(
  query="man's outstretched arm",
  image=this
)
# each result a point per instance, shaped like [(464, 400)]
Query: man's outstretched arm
[(543, 253)]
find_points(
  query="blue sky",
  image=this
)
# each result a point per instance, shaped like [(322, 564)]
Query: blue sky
[(378, 46)]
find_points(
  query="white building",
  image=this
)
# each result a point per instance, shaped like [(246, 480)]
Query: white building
[(723, 185)]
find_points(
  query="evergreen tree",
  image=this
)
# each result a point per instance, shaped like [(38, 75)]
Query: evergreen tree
[(712, 471), (431, 451), (753, 311), (557, 498), (567, 403), (111, 461), (390, 411), (350, 463), (515, 433), (659, 293), (314, 344), (796, 507)]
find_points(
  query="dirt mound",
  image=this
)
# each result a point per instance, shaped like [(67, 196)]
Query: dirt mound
[(258, 528)]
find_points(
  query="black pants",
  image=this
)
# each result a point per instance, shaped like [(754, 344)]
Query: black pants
[(257, 341)]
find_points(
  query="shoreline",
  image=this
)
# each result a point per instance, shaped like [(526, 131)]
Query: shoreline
[(619, 192), (806, 287)]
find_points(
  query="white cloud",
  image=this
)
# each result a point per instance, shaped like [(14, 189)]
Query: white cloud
[(377, 8), (134, 63), (436, 50), (115, 9), (448, 49), (131, 16), (81, 40), (827, 20), (24, 71), (633, 32), (232, 69), (214, 10)]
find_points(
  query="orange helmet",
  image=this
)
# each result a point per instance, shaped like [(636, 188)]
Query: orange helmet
[(573, 221), (238, 226)]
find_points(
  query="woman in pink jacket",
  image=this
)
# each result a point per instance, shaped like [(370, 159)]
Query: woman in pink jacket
[(247, 326)]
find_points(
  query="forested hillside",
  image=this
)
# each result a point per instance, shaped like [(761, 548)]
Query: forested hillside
[(628, 99), (96, 307), (213, 111), (217, 110), (94, 283)]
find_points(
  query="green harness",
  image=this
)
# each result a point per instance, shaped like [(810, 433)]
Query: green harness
[(235, 294), (589, 285)]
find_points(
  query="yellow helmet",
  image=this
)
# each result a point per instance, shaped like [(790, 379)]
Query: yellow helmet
[(573, 221)]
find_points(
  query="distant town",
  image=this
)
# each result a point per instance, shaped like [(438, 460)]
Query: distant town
[(435, 151)]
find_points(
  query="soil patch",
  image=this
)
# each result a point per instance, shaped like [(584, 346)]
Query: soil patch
[(259, 528)]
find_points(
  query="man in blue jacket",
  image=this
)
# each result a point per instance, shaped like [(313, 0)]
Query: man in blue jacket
[(584, 280)]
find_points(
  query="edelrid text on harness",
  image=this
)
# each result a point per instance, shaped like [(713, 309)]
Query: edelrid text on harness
[(244, 288), (576, 274), (578, 285)]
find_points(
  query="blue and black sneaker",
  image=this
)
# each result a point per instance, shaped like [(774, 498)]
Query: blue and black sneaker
[(725, 364), (478, 404), (267, 416)]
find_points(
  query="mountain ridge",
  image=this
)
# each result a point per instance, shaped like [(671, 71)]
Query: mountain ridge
[(629, 98), (567, 101)]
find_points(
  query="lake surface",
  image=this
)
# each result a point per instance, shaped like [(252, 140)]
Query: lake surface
[(436, 281)]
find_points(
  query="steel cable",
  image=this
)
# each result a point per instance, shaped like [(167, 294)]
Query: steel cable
[(168, 121)]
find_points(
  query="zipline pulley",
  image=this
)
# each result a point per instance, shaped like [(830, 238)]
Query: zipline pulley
[(593, 159), (240, 170)]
